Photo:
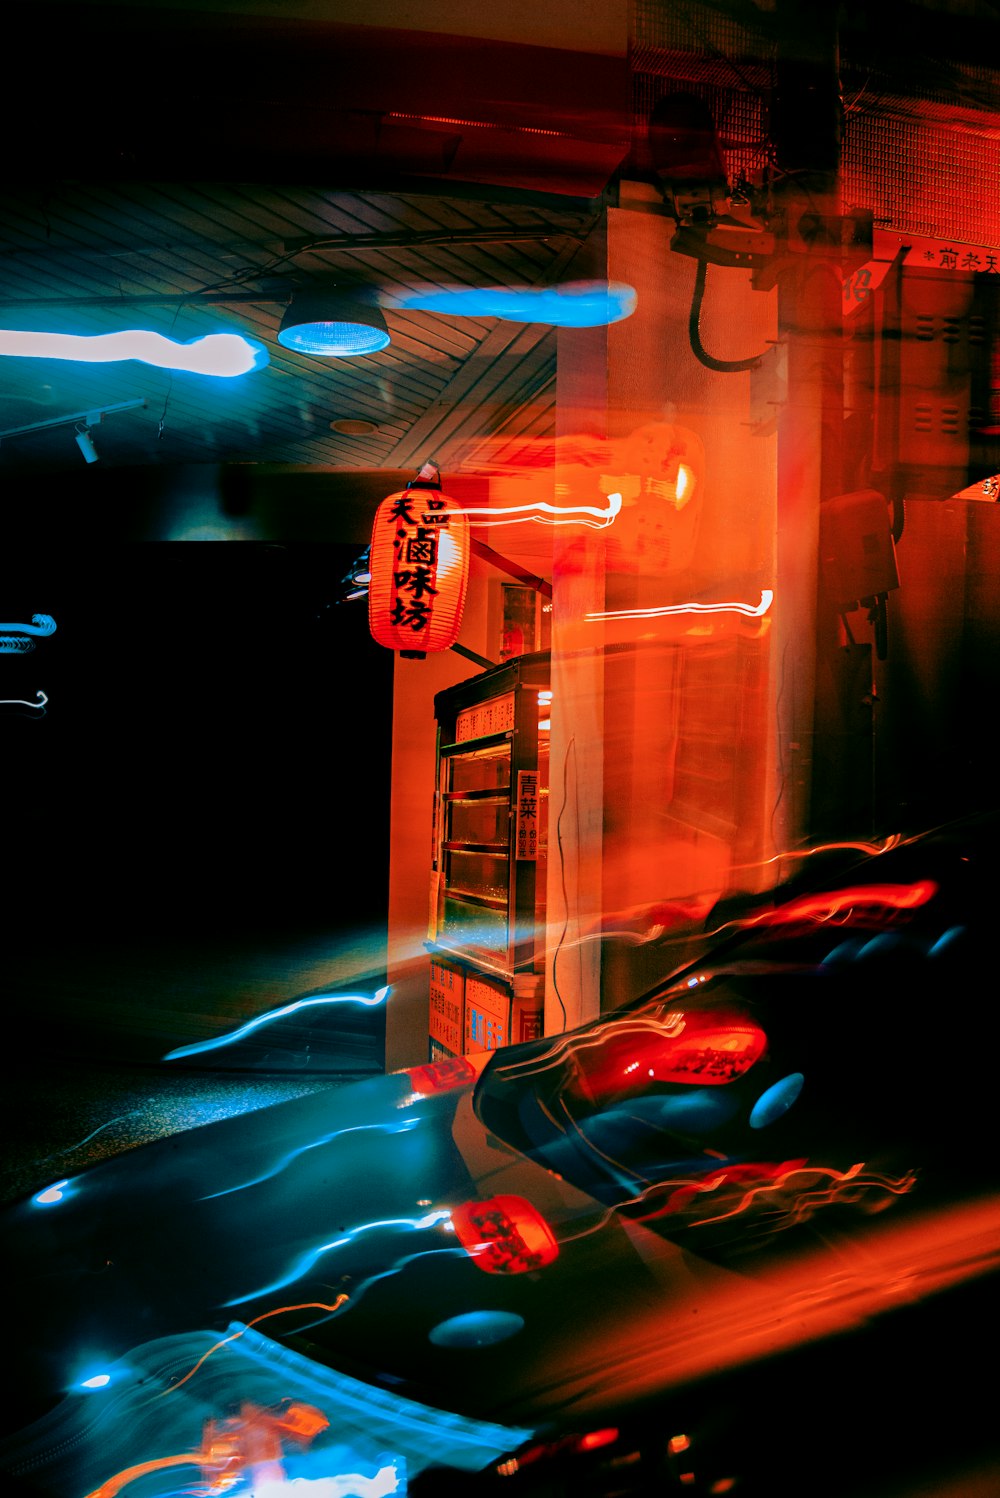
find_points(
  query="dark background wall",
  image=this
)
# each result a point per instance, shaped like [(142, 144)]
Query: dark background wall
[(208, 788)]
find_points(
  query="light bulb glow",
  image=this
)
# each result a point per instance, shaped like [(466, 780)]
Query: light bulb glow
[(220, 354), (333, 340)]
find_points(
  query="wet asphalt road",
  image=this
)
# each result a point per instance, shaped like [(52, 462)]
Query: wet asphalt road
[(57, 1121), (82, 1074)]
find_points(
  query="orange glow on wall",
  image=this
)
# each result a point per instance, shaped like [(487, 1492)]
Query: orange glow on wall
[(419, 571)]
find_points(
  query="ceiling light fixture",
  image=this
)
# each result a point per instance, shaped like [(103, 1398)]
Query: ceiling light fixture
[(333, 324), (349, 427), (85, 443), (81, 420)]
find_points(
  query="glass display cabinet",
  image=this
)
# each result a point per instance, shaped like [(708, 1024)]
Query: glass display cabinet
[(489, 860)]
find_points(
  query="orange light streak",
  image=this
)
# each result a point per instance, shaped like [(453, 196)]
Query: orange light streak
[(892, 841), (810, 1200), (309, 1305), (544, 513), (121, 1479), (443, 119), (750, 610)]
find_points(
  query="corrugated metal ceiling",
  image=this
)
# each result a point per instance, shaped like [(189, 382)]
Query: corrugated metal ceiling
[(91, 258)]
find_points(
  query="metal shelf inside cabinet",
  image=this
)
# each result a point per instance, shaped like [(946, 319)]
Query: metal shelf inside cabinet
[(453, 846), (488, 902), (488, 793), (470, 746), (473, 962)]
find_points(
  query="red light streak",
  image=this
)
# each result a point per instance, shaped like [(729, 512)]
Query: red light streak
[(442, 119), (597, 1438), (876, 900)]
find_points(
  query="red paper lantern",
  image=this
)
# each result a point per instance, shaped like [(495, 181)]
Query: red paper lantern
[(419, 565)]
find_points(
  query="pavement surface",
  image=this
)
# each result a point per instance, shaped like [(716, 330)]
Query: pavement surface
[(68, 1117), (83, 1076)]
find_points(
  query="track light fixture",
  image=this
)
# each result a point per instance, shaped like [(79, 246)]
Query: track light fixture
[(82, 421), (85, 443), (333, 324)]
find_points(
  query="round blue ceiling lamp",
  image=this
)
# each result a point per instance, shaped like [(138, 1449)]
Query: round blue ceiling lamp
[(333, 324)]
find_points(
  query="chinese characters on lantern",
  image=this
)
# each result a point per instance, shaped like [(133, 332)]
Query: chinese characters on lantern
[(420, 569)]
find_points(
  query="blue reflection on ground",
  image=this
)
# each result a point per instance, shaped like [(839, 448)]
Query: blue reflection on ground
[(145, 1413)]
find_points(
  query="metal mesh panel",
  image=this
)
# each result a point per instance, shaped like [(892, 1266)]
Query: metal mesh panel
[(687, 26), (923, 179), (740, 118), (924, 165)]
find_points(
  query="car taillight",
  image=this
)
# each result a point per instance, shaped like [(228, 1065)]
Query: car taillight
[(440, 1076), (505, 1235), (704, 1047)]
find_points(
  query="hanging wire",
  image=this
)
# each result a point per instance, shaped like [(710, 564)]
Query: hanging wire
[(720, 366)]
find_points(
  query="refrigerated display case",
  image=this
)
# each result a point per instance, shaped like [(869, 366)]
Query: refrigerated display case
[(487, 938)]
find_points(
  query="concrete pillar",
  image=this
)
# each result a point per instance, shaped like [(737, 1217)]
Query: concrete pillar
[(806, 131)]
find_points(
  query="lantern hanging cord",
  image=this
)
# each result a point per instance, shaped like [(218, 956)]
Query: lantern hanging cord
[(428, 477), (720, 366)]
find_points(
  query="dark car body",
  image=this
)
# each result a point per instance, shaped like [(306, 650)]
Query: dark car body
[(779, 1146)]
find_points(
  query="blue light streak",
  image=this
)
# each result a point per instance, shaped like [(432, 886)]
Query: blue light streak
[(220, 354), (293, 1155), (72, 1448), (41, 624), (198, 1047), (575, 304), (15, 639), (307, 1260)]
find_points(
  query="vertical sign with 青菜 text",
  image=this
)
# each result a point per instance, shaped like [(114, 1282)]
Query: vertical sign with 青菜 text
[(526, 818)]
